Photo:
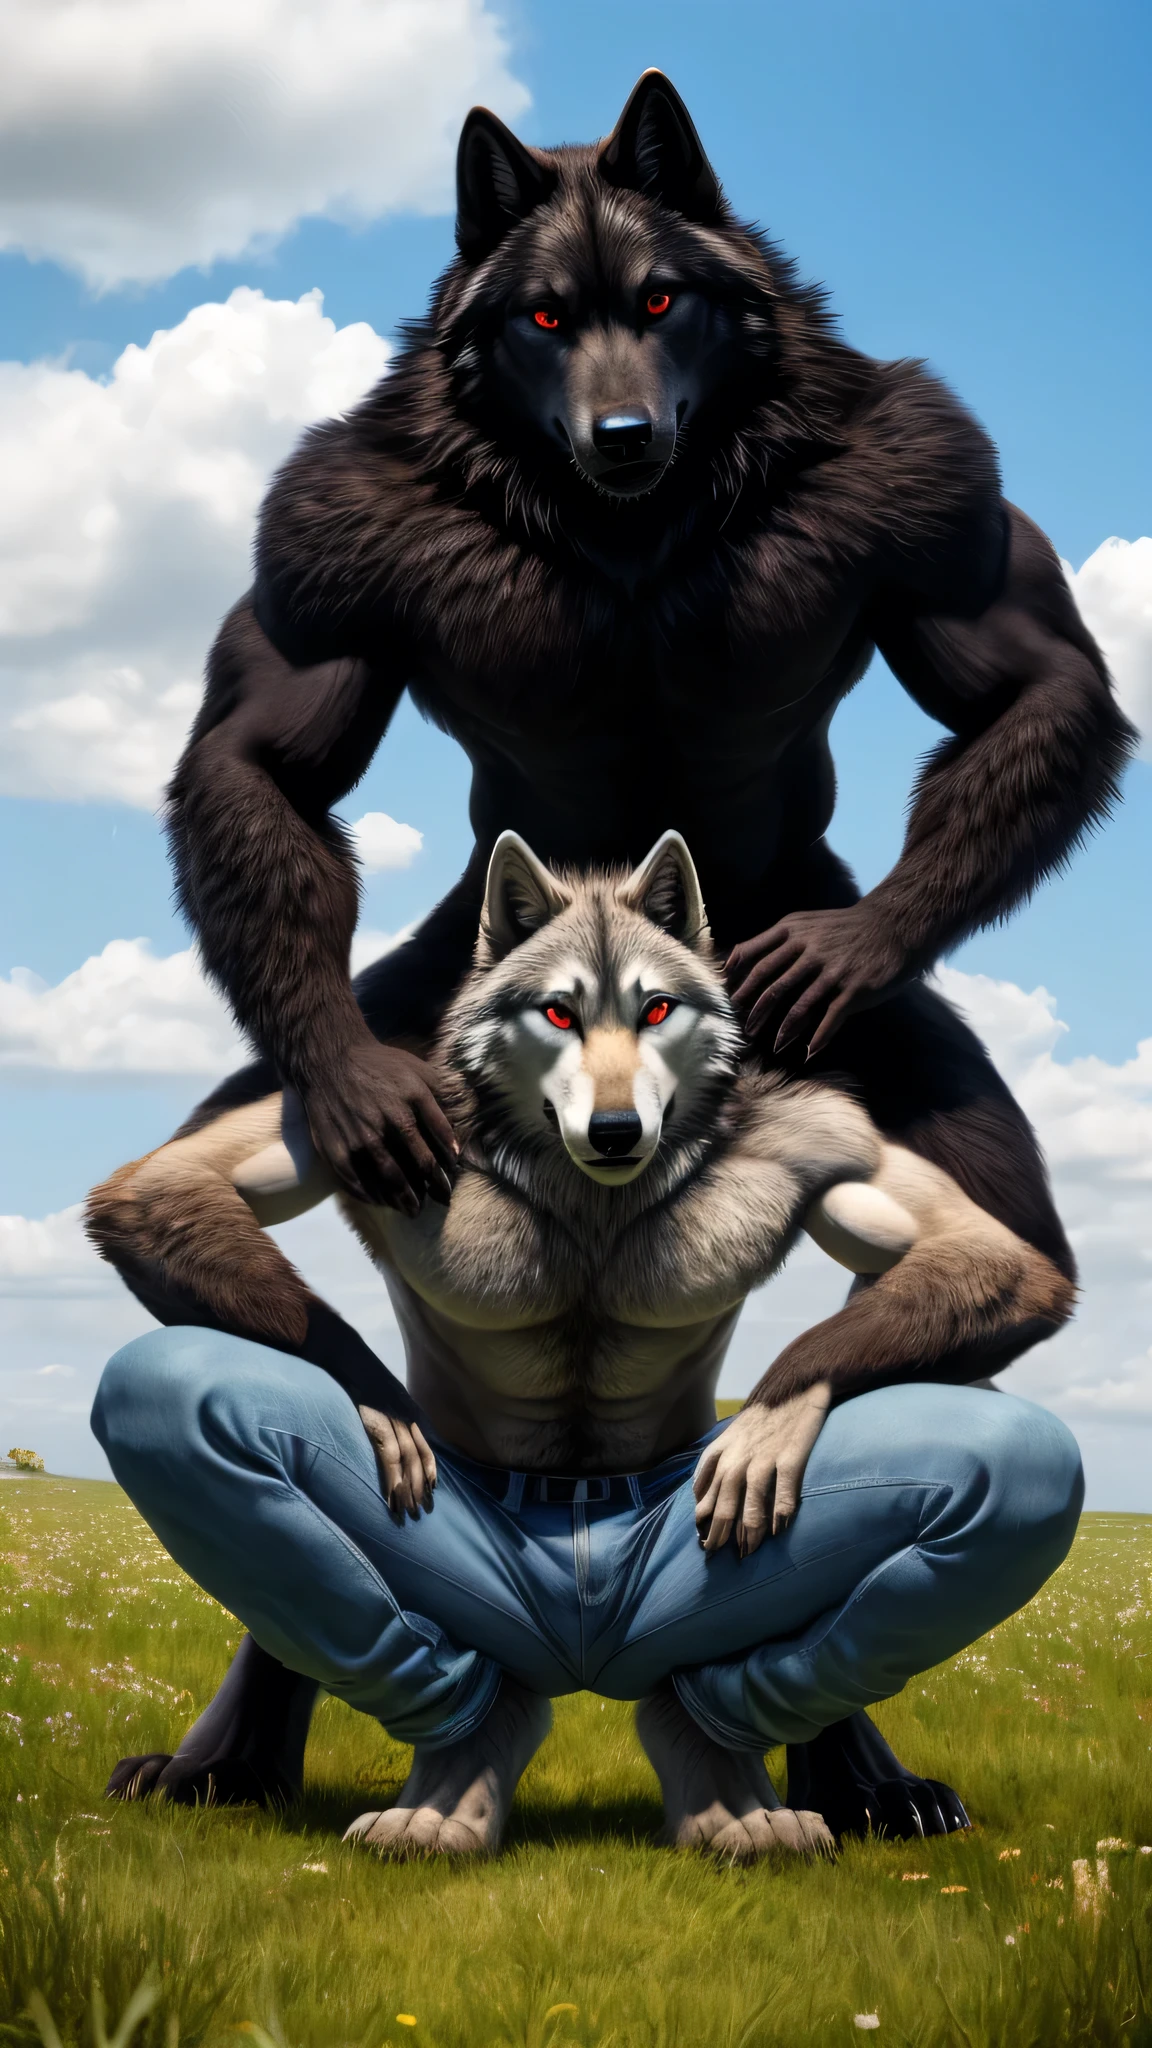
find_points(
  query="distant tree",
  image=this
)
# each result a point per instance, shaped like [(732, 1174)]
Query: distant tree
[(26, 1461)]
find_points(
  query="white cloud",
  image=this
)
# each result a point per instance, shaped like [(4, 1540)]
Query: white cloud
[(382, 843), (128, 1012), (126, 524), (1113, 589), (123, 1012), (369, 945), (138, 136), (1094, 1120), (48, 1255)]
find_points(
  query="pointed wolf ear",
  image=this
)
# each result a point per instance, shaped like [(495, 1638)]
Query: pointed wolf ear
[(666, 889), (498, 182), (520, 895), (655, 149)]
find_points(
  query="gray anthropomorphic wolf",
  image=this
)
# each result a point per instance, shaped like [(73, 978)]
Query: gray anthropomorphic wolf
[(627, 1175)]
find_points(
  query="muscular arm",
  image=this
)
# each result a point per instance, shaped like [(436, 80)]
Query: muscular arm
[(265, 875), (1039, 743), (943, 1291), (185, 1229)]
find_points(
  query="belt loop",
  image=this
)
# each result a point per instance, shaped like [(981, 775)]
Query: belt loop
[(583, 1491), (514, 1494), (634, 1490)]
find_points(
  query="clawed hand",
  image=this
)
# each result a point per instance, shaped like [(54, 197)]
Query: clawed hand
[(747, 1483), (811, 969), (379, 1124), (407, 1463)]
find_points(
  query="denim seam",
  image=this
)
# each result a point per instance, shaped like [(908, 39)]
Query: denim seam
[(711, 1726), (726, 1735), (792, 1570), (835, 1616), (430, 1570), (465, 1718)]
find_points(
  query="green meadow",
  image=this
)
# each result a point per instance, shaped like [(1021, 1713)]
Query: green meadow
[(148, 1925)]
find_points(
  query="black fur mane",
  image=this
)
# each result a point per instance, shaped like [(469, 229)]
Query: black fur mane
[(429, 506)]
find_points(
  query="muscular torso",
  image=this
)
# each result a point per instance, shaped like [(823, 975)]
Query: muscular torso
[(543, 1376), (733, 753), (588, 1334), (605, 691)]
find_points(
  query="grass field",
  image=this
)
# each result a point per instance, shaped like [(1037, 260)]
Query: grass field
[(1034, 1929)]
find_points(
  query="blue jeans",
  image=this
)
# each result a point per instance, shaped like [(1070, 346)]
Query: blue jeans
[(929, 1513)]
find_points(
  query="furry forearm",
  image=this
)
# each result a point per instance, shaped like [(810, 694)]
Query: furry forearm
[(994, 813), (273, 898), (263, 872), (940, 1313), (255, 1293)]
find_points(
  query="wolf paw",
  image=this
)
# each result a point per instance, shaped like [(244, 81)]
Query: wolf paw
[(719, 1800), (769, 1831), (861, 1787), (456, 1800), (230, 1781), (405, 1833)]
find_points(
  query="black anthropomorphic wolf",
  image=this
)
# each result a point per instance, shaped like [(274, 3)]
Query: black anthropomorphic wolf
[(628, 520)]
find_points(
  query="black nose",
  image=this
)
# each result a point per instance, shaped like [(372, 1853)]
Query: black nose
[(622, 436), (614, 1131)]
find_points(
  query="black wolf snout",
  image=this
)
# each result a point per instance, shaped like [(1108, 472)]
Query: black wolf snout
[(622, 436), (614, 1132)]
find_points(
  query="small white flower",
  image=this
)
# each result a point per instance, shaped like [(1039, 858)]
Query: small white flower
[(866, 2021)]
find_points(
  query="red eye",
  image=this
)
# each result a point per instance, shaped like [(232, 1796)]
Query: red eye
[(560, 1016), (658, 1012), (545, 319), (658, 302)]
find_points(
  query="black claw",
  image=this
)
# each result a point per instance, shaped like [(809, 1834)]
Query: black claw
[(953, 1814), (230, 1782), (135, 1776), (850, 1775)]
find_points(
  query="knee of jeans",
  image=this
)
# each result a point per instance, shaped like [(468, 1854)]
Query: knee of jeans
[(1026, 1487), (1007, 1467), (166, 1391), (1042, 1473)]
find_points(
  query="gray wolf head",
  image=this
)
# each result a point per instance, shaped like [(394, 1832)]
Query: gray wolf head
[(605, 298), (595, 1021)]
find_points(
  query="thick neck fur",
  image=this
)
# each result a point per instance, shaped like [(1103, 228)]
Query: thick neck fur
[(787, 407), (434, 503)]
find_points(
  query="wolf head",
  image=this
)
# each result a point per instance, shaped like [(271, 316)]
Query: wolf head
[(605, 297), (595, 1019)]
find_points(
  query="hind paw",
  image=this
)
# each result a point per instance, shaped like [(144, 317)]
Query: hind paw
[(228, 1781), (135, 1776), (406, 1833)]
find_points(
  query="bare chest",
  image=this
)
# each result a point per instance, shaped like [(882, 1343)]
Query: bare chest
[(529, 1308)]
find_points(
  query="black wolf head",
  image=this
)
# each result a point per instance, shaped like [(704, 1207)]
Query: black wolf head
[(605, 300)]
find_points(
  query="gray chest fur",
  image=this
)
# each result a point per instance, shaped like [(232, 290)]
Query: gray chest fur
[(538, 1290)]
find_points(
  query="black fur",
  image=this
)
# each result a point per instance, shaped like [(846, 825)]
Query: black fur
[(617, 664), (660, 642)]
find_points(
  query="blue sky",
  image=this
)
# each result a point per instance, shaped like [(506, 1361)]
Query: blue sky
[(970, 182)]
